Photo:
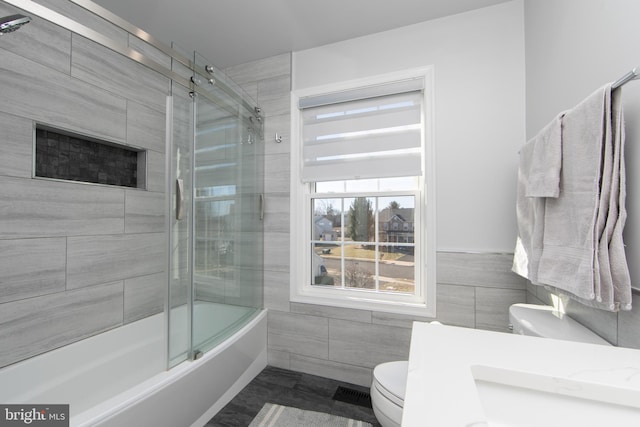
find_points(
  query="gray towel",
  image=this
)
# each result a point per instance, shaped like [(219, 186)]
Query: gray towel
[(573, 242), (530, 216), (538, 177), (569, 243), (542, 179), (613, 289)]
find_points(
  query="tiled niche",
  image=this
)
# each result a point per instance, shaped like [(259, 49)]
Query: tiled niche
[(72, 157)]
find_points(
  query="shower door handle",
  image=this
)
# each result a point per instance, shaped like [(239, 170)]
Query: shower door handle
[(179, 198), (261, 198)]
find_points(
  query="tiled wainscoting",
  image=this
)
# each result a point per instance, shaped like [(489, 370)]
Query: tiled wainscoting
[(77, 259), (474, 290)]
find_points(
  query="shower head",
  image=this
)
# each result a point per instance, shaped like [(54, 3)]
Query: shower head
[(9, 24)]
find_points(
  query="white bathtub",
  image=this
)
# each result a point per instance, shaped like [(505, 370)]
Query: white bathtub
[(118, 378)]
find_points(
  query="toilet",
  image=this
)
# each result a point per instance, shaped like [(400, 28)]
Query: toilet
[(390, 379), (544, 321), (387, 392)]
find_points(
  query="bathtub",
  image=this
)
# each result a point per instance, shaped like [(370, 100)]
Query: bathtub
[(119, 378)]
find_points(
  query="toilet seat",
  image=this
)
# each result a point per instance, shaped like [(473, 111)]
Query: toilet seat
[(391, 380), (388, 391)]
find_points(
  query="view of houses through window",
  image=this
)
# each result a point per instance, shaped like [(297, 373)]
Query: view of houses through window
[(365, 240)]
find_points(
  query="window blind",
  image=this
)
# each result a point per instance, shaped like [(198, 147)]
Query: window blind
[(365, 137)]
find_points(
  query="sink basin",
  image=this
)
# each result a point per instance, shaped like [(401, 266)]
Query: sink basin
[(518, 399)]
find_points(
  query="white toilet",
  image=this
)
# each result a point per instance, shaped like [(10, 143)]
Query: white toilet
[(387, 392), (544, 321), (390, 379)]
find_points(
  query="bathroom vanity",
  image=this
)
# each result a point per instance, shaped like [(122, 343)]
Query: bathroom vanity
[(471, 378)]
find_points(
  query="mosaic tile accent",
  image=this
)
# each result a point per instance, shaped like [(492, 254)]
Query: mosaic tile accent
[(74, 158)]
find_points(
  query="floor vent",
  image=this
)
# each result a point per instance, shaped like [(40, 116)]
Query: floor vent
[(355, 397)]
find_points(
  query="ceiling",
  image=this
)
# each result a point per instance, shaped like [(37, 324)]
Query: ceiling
[(231, 32)]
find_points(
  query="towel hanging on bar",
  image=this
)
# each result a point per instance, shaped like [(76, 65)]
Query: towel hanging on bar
[(572, 243)]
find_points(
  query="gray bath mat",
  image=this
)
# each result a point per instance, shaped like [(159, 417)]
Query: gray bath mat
[(272, 415)]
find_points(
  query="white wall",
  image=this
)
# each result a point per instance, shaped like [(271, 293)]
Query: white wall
[(478, 59), (574, 47)]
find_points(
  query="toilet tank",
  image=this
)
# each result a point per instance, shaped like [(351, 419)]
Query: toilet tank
[(544, 321)]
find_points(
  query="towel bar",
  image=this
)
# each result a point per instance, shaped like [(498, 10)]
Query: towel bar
[(631, 75)]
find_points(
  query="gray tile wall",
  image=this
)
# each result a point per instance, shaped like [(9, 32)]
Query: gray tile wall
[(76, 259), (474, 290)]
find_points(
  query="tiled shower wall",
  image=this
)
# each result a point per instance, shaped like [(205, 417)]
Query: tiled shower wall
[(77, 259), (474, 290)]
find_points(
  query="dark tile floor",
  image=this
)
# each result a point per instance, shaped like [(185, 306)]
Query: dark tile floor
[(283, 387)]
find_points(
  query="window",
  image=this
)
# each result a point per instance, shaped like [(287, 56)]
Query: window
[(366, 256), (362, 182)]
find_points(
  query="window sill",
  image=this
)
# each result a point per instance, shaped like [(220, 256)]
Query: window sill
[(362, 301)]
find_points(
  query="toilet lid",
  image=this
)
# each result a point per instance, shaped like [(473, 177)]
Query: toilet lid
[(391, 379)]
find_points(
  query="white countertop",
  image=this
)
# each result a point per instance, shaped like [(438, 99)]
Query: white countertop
[(441, 389)]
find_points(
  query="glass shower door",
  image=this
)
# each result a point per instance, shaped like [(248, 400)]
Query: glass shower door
[(215, 184), (227, 242)]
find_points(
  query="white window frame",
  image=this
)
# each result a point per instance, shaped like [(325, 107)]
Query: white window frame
[(301, 290)]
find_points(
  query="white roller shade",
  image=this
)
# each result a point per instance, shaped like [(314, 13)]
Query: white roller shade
[(375, 137)]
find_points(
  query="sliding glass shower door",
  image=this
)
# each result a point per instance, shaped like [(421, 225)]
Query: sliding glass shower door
[(227, 284), (222, 210)]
